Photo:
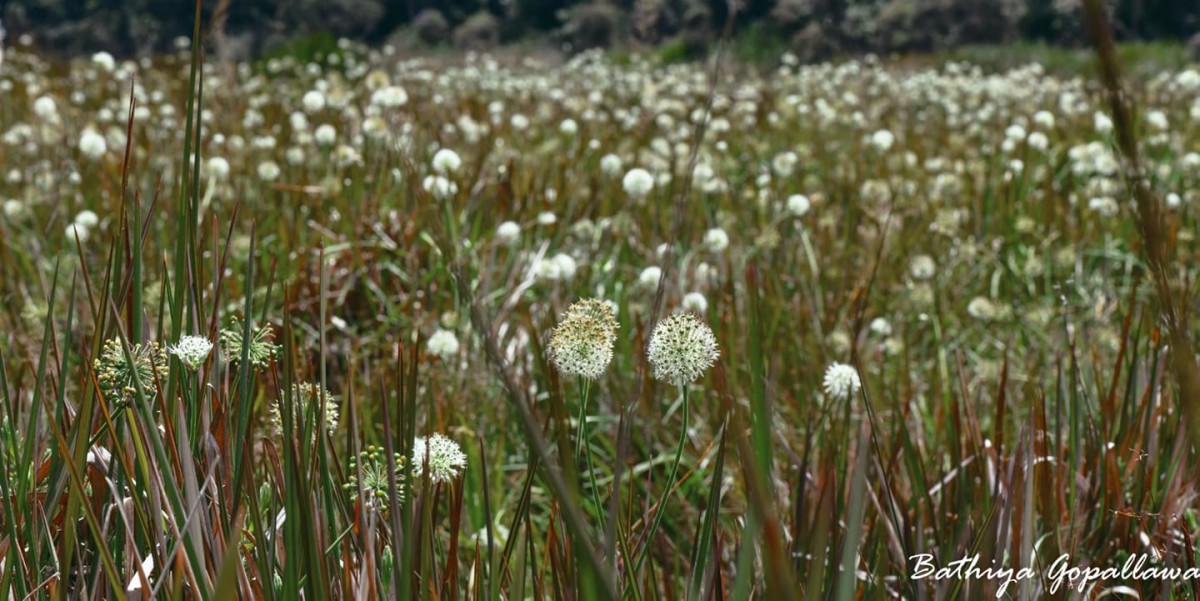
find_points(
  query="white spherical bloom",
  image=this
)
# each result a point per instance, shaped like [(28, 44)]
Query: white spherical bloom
[(446, 161), (798, 205), (87, 219), (443, 344), (77, 231), (519, 122), (13, 208), (1102, 123), (582, 343), (784, 164), (389, 97), (268, 171), (313, 101), (1173, 200), (294, 155), (841, 382), (1157, 120), (217, 168), (649, 277), (440, 187), (92, 144), (507, 232), (881, 327), (716, 240), (610, 165), (982, 309), (1038, 141), (681, 349), (883, 140), (325, 135), (922, 267), (298, 121), (566, 266), (695, 302), (104, 61), (1015, 133), (45, 108), (547, 218), (1044, 119), (568, 127), (439, 457), (638, 182), (191, 351)]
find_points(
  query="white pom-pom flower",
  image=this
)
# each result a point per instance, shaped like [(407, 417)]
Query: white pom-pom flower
[(582, 344), (191, 351), (441, 456), (841, 381), (682, 349)]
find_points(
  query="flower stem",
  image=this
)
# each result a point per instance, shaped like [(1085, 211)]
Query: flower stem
[(666, 494), (583, 448)]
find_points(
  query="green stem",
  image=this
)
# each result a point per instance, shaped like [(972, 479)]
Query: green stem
[(662, 502), (585, 449)]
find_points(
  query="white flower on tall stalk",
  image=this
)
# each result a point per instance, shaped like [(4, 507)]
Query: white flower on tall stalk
[(881, 327), (443, 344), (389, 97), (191, 351), (681, 349), (45, 108), (92, 144), (882, 140), (638, 182), (217, 168), (104, 61), (442, 457), (77, 231), (716, 240), (268, 171), (446, 161), (610, 165), (87, 219), (922, 267), (841, 381), (325, 135), (798, 205), (582, 343), (313, 101)]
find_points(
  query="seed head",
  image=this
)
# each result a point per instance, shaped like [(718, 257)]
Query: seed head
[(582, 344), (443, 456), (262, 350), (682, 349), (305, 399), (116, 372), (372, 465)]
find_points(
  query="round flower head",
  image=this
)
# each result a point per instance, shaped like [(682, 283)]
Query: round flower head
[(261, 350), (120, 374), (682, 349), (305, 399), (841, 381), (638, 182), (92, 144), (443, 344), (191, 351), (582, 344), (716, 240), (446, 161), (443, 457), (376, 479)]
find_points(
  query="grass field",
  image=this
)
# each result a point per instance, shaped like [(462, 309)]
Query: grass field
[(294, 330)]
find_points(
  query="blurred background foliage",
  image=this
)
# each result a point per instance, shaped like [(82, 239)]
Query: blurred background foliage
[(813, 29)]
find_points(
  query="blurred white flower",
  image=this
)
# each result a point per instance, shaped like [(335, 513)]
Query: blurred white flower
[(649, 277), (268, 171), (313, 101), (610, 165), (440, 187), (443, 344), (104, 61), (45, 108), (92, 144), (217, 168), (638, 182), (389, 97), (507, 232), (922, 267), (87, 219), (716, 240), (446, 161), (695, 302), (883, 140), (325, 135), (798, 205)]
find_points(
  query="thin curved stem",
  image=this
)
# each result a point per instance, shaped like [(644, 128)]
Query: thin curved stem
[(666, 495)]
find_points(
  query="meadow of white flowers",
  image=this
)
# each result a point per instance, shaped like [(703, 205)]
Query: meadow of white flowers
[(899, 309)]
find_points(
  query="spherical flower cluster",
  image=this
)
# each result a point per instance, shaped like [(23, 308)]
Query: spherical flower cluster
[(119, 374), (446, 161), (508, 232), (439, 187), (372, 466), (841, 381), (217, 168), (191, 351), (389, 97), (313, 101), (268, 171), (649, 277), (798, 205), (681, 349), (443, 344), (92, 144), (305, 400), (261, 349), (441, 456), (638, 182), (582, 344), (695, 303)]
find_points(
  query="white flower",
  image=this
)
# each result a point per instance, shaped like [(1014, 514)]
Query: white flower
[(268, 171), (442, 456), (191, 351), (638, 182), (217, 168), (882, 140), (443, 344), (13, 208), (784, 164), (546, 218), (582, 343), (880, 327), (1038, 141), (87, 219), (568, 127), (1157, 120), (389, 97), (610, 164), (104, 60), (77, 231), (92, 144), (695, 302), (507, 232), (1102, 123), (565, 265), (1044, 119), (440, 187), (325, 135), (682, 349), (922, 267), (45, 108), (982, 309), (841, 381), (446, 161), (649, 277), (313, 101), (716, 240), (798, 205)]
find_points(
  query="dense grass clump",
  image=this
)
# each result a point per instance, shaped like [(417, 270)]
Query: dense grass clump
[(365, 327)]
